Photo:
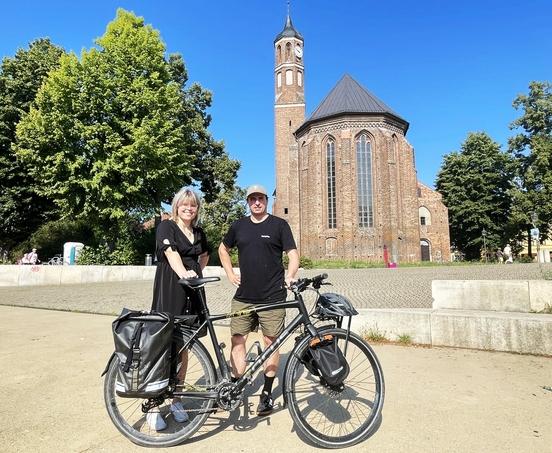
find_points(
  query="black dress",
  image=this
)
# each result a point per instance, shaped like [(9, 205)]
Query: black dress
[(168, 295)]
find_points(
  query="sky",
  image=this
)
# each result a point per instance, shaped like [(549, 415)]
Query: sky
[(447, 67)]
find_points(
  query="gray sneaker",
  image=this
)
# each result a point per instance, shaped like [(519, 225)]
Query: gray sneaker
[(155, 421), (179, 413)]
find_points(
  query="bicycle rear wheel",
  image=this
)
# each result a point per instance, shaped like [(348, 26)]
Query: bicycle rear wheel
[(336, 418), (128, 416)]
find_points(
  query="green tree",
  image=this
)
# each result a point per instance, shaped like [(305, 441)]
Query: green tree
[(22, 209), (219, 214), (476, 187), (532, 147), (116, 133)]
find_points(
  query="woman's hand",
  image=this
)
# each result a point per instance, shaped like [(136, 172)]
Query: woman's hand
[(189, 274)]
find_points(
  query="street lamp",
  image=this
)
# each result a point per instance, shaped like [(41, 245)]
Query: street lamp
[(535, 233), (484, 233)]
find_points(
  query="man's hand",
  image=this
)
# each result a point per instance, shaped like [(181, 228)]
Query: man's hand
[(290, 280), (234, 279)]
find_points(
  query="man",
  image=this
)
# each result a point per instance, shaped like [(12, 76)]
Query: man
[(260, 239)]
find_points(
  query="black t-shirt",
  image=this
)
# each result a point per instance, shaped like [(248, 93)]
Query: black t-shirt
[(260, 247)]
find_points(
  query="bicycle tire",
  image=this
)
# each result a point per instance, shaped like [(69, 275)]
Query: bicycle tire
[(127, 415), (332, 419)]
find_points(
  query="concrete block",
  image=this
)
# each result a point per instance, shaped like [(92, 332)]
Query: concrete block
[(132, 273), (540, 294), (71, 274), (112, 273), (494, 295), (36, 275), (498, 331), (214, 271), (394, 322), (148, 272), (9, 274), (90, 273)]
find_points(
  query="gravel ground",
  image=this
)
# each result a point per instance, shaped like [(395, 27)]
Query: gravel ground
[(366, 288)]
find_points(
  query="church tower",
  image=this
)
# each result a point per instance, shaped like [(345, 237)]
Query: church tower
[(289, 114)]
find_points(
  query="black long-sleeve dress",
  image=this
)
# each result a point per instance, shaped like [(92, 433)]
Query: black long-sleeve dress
[(168, 295)]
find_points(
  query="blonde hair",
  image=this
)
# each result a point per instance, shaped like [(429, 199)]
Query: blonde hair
[(185, 194)]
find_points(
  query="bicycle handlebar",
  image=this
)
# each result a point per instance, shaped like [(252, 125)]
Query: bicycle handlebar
[(302, 284)]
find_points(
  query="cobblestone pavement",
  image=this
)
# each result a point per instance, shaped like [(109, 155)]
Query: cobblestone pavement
[(366, 288)]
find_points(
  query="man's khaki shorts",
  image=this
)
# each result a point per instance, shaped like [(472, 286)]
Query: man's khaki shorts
[(271, 321)]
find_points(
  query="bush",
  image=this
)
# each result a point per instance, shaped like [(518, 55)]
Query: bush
[(50, 237), (95, 255), (525, 259), (304, 262)]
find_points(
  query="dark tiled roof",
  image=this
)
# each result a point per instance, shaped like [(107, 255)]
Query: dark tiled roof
[(348, 96), (289, 31)]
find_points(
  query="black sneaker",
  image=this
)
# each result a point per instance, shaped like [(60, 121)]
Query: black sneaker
[(266, 404)]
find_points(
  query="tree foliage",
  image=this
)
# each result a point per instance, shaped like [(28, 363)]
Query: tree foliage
[(476, 186), (532, 147), (219, 214), (115, 133), (22, 209)]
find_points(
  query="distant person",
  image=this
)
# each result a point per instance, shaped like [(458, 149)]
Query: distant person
[(260, 239), (30, 258), (508, 258), (181, 251), (499, 256)]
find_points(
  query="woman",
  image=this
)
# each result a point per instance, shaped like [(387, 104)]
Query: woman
[(181, 252)]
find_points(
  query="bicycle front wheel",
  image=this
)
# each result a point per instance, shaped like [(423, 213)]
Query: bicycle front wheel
[(130, 416), (330, 417)]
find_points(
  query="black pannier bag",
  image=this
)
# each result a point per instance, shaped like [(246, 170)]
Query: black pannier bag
[(324, 358), (143, 348)]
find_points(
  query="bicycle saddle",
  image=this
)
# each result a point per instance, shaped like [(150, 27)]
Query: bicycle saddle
[(197, 282)]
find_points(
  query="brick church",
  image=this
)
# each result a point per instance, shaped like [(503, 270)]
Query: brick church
[(345, 176)]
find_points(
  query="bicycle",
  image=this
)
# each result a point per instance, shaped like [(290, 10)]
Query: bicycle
[(56, 260), (330, 416)]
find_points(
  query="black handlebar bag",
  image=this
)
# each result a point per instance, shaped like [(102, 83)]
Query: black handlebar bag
[(143, 347)]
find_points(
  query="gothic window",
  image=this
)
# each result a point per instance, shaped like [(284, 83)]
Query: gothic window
[(300, 78), (289, 77), (425, 216), (392, 157), (288, 51), (330, 182), (279, 54), (364, 182)]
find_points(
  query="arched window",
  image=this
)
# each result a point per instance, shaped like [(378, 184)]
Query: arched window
[(425, 216), (330, 183), (299, 78), (289, 77), (364, 182), (279, 54), (279, 77), (392, 157), (288, 51)]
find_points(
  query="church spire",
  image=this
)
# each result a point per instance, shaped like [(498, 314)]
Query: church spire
[(289, 30)]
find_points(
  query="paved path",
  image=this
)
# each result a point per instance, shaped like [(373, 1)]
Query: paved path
[(367, 288), (437, 400)]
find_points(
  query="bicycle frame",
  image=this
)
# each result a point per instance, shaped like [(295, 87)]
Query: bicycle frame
[(301, 319)]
